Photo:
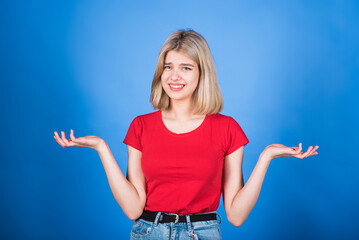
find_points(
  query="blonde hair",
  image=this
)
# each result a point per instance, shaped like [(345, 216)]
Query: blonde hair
[(207, 96)]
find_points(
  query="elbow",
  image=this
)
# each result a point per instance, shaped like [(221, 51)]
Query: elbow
[(131, 210), (236, 221), (134, 215), (134, 212)]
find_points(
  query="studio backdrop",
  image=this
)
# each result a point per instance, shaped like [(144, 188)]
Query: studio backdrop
[(288, 72)]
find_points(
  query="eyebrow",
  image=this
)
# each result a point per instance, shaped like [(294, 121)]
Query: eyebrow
[(183, 64)]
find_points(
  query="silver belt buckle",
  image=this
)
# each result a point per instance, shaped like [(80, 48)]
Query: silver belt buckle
[(177, 217)]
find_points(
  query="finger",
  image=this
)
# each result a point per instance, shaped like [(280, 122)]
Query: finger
[(313, 151), (306, 154), (59, 140), (64, 138), (301, 154), (72, 136), (299, 150)]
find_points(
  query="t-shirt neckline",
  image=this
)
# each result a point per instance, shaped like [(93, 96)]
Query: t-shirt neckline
[(181, 134)]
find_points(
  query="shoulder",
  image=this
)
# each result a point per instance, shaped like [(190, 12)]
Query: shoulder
[(221, 118), (225, 123), (147, 117), (142, 122)]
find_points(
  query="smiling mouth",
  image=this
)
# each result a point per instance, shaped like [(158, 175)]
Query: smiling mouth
[(176, 86)]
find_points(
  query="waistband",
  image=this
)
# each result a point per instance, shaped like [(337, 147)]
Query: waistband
[(175, 218)]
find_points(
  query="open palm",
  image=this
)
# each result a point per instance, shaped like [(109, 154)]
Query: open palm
[(279, 150), (88, 141)]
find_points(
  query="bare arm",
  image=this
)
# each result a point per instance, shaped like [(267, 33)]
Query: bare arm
[(129, 193), (239, 199)]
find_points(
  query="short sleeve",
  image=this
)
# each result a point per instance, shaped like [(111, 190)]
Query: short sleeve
[(236, 138), (134, 133)]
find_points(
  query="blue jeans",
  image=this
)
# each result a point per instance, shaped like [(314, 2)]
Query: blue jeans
[(201, 230)]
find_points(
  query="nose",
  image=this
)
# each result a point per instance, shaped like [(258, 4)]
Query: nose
[(174, 75)]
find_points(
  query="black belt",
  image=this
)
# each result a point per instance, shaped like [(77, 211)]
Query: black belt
[(175, 218)]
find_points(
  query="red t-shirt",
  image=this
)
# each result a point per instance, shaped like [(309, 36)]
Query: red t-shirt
[(184, 171)]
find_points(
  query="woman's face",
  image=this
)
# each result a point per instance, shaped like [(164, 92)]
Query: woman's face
[(180, 76)]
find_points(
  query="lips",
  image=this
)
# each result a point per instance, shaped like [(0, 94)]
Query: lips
[(176, 87)]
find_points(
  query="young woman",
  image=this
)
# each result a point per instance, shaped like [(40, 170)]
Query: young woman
[(182, 156)]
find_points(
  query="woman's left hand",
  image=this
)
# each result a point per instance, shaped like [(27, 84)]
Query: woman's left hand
[(279, 150)]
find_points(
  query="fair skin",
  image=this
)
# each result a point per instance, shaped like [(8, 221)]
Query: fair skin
[(130, 192), (180, 70)]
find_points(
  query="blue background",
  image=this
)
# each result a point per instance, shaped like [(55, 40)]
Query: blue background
[(288, 71)]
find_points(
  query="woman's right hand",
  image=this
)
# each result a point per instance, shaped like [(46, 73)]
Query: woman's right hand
[(93, 142)]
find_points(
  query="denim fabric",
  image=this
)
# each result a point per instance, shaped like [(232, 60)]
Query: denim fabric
[(202, 230)]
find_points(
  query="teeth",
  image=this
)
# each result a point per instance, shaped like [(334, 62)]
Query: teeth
[(177, 86)]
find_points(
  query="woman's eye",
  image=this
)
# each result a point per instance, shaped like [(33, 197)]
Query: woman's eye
[(187, 69), (166, 67)]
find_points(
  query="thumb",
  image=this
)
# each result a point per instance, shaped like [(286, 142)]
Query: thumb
[(299, 149)]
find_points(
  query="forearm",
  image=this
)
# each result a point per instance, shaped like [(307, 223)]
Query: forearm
[(246, 198), (124, 192)]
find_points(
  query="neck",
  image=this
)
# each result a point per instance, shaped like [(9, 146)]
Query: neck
[(180, 111)]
